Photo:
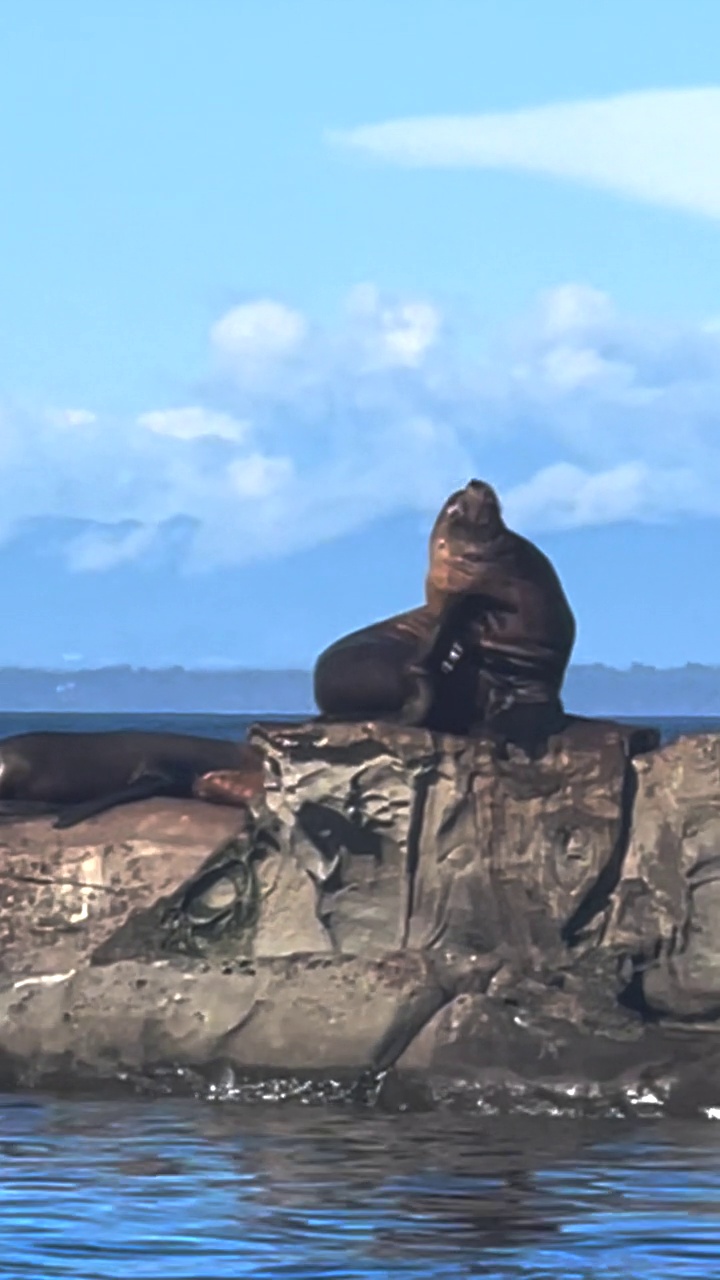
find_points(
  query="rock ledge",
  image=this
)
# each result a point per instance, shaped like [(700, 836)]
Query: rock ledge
[(400, 912)]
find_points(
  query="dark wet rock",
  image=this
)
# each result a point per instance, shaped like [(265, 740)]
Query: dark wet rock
[(667, 906), (415, 917)]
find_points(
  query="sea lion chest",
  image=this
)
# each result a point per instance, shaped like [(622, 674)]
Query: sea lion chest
[(518, 620)]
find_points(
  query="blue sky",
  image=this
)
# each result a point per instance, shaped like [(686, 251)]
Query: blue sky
[(275, 277)]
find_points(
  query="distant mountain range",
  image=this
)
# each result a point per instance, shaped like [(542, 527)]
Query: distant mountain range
[(633, 593), (590, 690)]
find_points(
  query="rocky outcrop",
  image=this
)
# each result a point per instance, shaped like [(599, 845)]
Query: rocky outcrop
[(63, 892), (396, 910)]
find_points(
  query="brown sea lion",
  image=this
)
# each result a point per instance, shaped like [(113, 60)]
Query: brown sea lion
[(509, 626), (488, 650), (79, 775)]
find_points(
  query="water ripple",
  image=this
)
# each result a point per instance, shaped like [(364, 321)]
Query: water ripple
[(174, 1190)]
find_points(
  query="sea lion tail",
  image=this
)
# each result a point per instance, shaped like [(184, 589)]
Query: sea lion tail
[(145, 788)]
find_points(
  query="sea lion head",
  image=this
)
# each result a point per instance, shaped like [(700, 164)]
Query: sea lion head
[(472, 513), (468, 523)]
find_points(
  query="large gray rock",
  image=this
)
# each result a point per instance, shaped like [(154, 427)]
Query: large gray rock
[(395, 902)]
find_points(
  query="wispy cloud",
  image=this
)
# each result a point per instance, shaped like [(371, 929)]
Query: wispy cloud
[(566, 496), (661, 146), (580, 415), (193, 423)]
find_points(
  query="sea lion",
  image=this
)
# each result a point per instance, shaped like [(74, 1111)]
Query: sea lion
[(510, 626), (487, 652), (79, 775)]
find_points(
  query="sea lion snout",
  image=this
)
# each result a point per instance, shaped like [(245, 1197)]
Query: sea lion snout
[(474, 508), (480, 502)]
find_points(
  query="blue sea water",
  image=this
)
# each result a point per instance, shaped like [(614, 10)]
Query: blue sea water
[(162, 1189), (217, 725)]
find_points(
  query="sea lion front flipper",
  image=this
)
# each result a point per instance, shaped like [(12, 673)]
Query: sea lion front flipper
[(143, 788), (417, 707), (437, 658)]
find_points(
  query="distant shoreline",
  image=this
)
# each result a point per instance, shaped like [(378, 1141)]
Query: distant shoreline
[(590, 689), (165, 713), (178, 668)]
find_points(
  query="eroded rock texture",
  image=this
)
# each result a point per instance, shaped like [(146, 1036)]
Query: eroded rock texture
[(63, 892), (668, 902), (476, 922)]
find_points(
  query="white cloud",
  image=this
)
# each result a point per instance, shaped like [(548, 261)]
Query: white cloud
[(393, 333), (258, 477), (257, 333), (661, 146), (580, 415), (573, 309), (193, 424), (565, 496)]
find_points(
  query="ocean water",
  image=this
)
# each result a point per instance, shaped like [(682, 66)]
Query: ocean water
[(217, 725), (169, 1189)]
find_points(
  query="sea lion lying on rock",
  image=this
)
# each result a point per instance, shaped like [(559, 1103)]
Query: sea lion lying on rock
[(79, 775), (487, 652)]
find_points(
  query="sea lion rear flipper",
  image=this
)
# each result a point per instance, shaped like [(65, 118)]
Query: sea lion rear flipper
[(143, 788)]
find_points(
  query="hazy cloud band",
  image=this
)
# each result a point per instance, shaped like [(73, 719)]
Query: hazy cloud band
[(301, 433)]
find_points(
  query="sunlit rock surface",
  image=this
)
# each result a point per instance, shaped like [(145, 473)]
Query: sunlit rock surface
[(62, 892), (399, 915)]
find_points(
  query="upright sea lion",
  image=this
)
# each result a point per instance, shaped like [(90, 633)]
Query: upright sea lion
[(510, 626), (488, 650), (83, 774)]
